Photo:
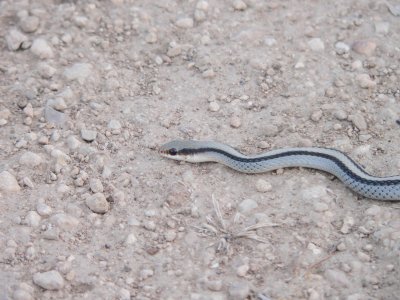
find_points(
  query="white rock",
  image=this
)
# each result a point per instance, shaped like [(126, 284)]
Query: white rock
[(239, 5), (64, 221), (358, 121), (54, 116), (342, 47), (316, 192), (247, 205), (235, 122), (96, 186), (98, 203), (263, 186), (14, 39), (242, 270), (88, 135), (170, 235), (130, 239), (348, 224), (316, 44), (114, 125), (33, 219), (382, 27), (185, 22), (316, 115), (43, 209), (21, 294), (209, 73), (42, 49), (213, 106), (79, 72), (51, 280), (269, 41), (8, 183), (337, 278), (202, 5), (29, 24), (30, 159), (72, 142), (45, 70)]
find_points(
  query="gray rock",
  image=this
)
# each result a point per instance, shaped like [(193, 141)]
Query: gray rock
[(29, 24), (14, 39), (55, 117), (88, 135), (364, 47), (42, 49), (64, 221), (30, 159), (8, 183), (247, 205), (337, 278), (57, 103), (51, 280), (78, 71), (114, 125), (238, 290), (98, 203), (316, 44)]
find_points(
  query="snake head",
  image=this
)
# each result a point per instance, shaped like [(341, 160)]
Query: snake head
[(183, 150)]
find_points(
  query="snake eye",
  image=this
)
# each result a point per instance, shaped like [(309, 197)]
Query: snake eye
[(172, 152)]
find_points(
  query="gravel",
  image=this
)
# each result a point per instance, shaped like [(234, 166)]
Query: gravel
[(51, 280)]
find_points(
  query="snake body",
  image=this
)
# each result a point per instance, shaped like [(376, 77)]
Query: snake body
[(332, 161)]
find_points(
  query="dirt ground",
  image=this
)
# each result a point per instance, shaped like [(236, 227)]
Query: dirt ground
[(90, 89)]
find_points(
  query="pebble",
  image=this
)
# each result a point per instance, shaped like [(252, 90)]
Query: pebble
[(88, 135), (45, 70), (30, 159), (340, 115), (42, 49), (15, 39), (73, 143), (213, 106), (348, 224), (214, 285), (247, 205), (146, 273), (208, 73), (51, 280), (316, 115), (316, 44), (382, 27), (78, 71), (270, 41), (57, 103), (320, 206), (365, 81), (114, 125), (337, 278), (239, 290), (342, 47), (374, 210), (98, 203), (200, 15), (33, 219), (64, 221), (8, 183), (43, 209), (28, 110), (316, 192), (28, 182), (364, 257), (364, 47), (263, 186), (185, 22), (235, 122), (131, 239), (358, 121), (239, 5), (242, 270), (202, 5), (29, 24), (21, 294), (270, 130), (54, 116), (170, 235), (96, 186)]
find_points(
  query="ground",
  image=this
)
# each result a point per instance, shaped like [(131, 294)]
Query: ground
[(90, 89)]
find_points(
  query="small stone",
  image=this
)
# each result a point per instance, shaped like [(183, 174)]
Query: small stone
[(208, 73), (150, 225), (130, 239), (28, 110), (348, 224), (64, 221), (358, 121), (199, 15), (15, 39), (374, 210), (263, 186), (239, 5), (146, 273), (28, 182), (342, 47), (239, 290), (270, 41), (382, 27), (202, 5), (337, 278), (340, 115), (174, 50), (364, 47), (51, 280), (270, 130), (247, 205), (341, 247), (88, 135), (170, 235), (330, 92), (316, 115), (363, 256), (8, 183), (151, 37), (29, 24), (30, 159), (57, 103), (79, 72), (213, 106), (299, 65), (365, 81), (54, 116), (320, 206), (214, 285), (73, 143), (114, 125), (98, 203), (21, 294), (235, 122), (316, 44), (43, 209), (96, 186), (242, 270), (42, 49), (185, 22), (45, 70), (32, 219)]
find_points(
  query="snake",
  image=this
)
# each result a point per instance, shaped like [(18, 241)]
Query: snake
[(328, 160)]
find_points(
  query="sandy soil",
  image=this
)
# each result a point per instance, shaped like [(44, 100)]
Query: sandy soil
[(90, 89)]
